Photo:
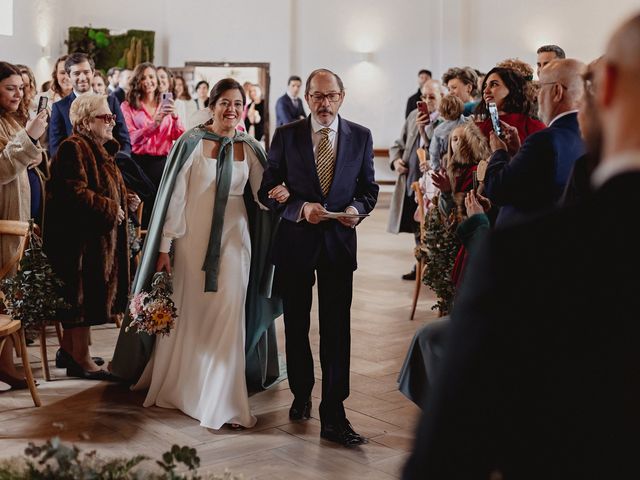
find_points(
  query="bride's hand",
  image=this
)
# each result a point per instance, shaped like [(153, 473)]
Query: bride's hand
[(163, 263), (279, 193)]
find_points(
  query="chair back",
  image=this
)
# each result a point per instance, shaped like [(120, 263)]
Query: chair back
[(17, 229), (415, 186)]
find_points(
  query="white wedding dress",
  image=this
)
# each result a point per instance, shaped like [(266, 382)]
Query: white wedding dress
[(199, 367)]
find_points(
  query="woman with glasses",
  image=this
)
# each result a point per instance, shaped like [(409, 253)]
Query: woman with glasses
[(85, 235)]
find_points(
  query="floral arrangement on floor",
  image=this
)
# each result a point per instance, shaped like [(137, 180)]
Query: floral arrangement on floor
[(154, 312), (32, 294), (56, 461), (441, 246)]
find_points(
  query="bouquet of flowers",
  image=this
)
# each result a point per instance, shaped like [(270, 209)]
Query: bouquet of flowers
[(154, 312)]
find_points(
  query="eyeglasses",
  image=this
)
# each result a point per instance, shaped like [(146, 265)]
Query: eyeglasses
[(333, 97), (553, 83), (106, 117)]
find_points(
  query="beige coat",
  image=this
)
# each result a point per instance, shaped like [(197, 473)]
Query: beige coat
[(17, 152)]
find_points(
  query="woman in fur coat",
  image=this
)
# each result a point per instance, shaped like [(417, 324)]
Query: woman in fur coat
[(85, 231)]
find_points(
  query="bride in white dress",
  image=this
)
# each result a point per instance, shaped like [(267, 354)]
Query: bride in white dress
[(199, 367)]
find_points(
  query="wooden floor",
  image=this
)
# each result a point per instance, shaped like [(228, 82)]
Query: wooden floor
[(110, 419)]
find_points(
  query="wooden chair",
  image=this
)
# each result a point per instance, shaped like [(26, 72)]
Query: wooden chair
[(419, 262), (13, 328)]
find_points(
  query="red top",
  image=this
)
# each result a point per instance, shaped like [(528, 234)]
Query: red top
[(146, 137), (524, 123)]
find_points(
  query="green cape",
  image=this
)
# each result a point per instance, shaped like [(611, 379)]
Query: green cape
[(133, 350)]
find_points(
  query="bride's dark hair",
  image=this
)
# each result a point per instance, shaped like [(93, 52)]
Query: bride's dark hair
[(222, 86)]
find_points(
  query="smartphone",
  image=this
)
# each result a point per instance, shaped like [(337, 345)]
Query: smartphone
[(42, 103), (475, 182), (495, 118), (422, 108), (166, 97)]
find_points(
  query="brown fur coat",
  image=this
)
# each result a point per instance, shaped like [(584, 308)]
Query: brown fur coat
[(87, 248)]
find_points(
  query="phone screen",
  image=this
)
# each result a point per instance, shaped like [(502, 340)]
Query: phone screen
[(422, 108), (475, 182), (495, 118), (42, 103)]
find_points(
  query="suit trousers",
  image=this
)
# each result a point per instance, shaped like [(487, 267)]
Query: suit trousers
[(335, 285)]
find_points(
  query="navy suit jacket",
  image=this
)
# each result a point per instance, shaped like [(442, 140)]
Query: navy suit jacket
[(60, 126), (286, 112), (535, 178), (539, 377), (292, 162)]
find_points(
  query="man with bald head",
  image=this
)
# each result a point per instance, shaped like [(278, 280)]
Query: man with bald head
[(525, 180), (540, 374)]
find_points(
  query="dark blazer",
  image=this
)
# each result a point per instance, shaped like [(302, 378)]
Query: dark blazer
[(286, 112), (540, 372), (411, 103), (535, 178), (291, 161), (120, 94), (60, 125)]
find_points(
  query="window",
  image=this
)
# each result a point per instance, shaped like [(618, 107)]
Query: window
[(6, 17)]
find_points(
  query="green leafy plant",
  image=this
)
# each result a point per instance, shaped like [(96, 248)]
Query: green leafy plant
[(56, 461), (441, 249), (31, 295)]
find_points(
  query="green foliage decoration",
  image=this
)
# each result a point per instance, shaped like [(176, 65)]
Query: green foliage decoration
[(108, 50), (32, 294), (441, 247), (54, 460)]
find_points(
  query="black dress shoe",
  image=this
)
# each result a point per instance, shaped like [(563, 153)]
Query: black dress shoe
[(342, 433), (63, 357), (411, 275), (300, 410), (78, 372)]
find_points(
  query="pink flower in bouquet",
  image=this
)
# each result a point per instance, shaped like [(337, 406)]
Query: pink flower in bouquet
[(136, 307)]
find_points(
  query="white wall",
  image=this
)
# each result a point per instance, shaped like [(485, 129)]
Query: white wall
[(35, 26), (297, 36)]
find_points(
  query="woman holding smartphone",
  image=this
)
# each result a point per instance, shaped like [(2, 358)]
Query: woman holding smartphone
[(153, 125), (506, 88)]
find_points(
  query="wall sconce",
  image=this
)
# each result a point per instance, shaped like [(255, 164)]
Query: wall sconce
[(365, 57)]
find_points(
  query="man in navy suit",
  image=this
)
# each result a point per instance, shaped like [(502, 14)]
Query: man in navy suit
[(319, 165), (80, 68), (289, 107), (540, 372), (535, 178)]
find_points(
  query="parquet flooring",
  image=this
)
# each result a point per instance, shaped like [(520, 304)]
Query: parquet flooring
[(110, 419)]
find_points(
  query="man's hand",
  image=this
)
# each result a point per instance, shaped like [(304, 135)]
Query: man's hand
[(400, 166), (279, 193), (314, 213), (349, 222), (163, 263), (441, 181)]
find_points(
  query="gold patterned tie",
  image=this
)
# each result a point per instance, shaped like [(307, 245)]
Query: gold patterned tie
[(325, 161)]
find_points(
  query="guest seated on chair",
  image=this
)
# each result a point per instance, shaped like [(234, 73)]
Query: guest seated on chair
[(85, 235)]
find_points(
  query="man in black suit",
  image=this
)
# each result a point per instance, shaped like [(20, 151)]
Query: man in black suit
[(423, 76), (540, 373), (289, 107), (123, 85), (326, 165), (535, 178)]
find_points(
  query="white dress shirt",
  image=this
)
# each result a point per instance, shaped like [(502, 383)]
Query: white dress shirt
[(316, 136)]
